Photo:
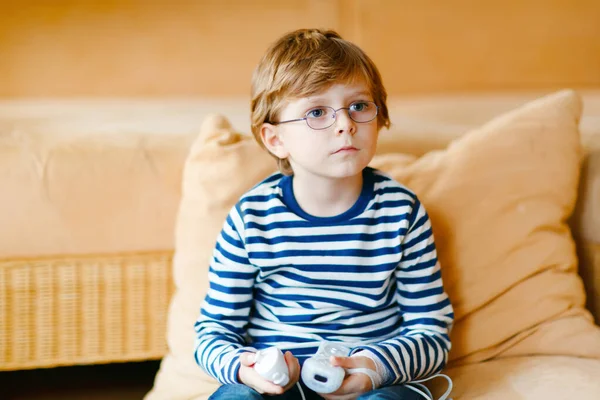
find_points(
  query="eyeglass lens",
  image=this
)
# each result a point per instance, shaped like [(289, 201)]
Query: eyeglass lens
[(324, 117)]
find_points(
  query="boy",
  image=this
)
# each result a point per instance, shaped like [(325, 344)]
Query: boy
[(329, 249)]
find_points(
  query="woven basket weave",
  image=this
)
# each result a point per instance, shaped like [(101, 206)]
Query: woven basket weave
[(83, 310)]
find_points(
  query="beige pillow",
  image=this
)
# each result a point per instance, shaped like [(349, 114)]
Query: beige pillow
[(498, 197), (525, 378)]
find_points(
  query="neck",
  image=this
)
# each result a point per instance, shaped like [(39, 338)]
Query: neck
[(326, 197)]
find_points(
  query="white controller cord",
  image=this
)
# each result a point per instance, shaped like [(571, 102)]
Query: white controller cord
[(418, 387), (415, 386), (301, 391)]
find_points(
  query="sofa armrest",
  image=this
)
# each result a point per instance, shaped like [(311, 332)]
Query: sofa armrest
[(90, 178), (585, 224), (589, 269)]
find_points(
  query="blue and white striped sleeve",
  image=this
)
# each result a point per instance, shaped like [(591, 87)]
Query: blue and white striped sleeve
[(221, 327), (421, 349)]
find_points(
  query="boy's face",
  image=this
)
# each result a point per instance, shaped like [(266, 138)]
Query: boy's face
[(342, 150)]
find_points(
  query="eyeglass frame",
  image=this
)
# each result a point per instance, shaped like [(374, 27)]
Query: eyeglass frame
[(334, 116)]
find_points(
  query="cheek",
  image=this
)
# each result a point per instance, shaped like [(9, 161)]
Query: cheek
[(369, 139), (309, 144)]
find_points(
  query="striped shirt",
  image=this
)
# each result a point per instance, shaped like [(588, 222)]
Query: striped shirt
[(368, 277)]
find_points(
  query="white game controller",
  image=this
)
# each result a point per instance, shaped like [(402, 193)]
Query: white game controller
[(318, 373), (270, 364)]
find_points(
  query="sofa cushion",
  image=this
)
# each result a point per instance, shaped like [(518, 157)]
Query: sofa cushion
[(525, 378), (498, 197)]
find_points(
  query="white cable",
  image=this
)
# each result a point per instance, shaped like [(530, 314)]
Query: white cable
[(444, 396), (414, 389), (424, 388), (301, 391)]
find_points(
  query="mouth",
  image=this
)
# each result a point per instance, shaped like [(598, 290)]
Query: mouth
[(346, 149)]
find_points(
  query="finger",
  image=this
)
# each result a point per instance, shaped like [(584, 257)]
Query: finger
[(293, 369), (347, 362), (353, 362), (289, 358), (269, 387), (292, 364), (266, 388), (250, 377), (353, 385), (358, 383), (248, 359)]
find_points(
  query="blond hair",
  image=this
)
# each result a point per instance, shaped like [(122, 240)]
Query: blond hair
[(305, 62)]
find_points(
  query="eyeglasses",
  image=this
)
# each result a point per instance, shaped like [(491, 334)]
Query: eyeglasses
[(324, 117)]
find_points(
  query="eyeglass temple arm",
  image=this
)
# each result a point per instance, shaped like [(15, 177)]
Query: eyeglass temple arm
[(289, 120)]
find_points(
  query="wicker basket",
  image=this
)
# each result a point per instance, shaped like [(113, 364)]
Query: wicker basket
[(83, 309)]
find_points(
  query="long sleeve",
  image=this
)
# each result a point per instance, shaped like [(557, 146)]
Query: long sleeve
[(221, 327), (422, 346)]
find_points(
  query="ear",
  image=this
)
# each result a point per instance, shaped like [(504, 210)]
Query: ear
[(272, 140)]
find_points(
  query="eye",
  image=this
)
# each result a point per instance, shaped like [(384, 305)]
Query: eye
[(359, 106), (316, 113)]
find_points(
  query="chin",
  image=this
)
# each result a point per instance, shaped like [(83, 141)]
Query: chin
[(336, 170), (347, 170)]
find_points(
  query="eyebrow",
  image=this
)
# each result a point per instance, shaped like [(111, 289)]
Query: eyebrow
[(320, 100)]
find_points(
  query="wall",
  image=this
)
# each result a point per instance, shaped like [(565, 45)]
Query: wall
[(210, 47)]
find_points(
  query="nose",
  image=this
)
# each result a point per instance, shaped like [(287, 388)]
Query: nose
[(343, 122)]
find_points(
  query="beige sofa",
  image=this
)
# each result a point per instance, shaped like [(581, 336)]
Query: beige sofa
[(91, 190)]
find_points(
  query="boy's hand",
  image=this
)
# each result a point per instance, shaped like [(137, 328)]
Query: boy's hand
[(354, 384), (249, 377)]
